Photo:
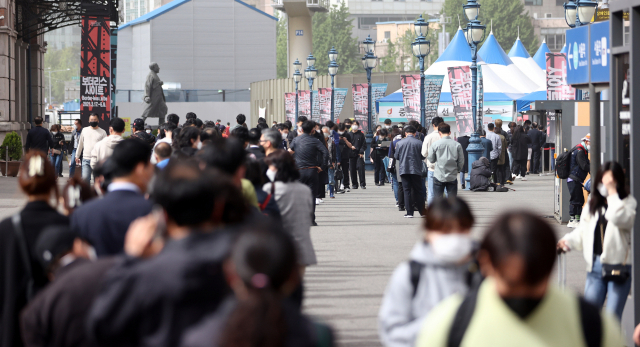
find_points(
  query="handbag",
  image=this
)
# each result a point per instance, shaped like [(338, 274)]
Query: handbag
[(391, 168), (338, 176), (425, 170), (615, 272)]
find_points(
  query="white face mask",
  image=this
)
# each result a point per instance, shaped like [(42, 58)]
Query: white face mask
[(271, 175), (199, 146), (603, 190), (354, 127), (326, 135), (54, 132), (452, 248), (588, 148), (148, 131), (340, 132)]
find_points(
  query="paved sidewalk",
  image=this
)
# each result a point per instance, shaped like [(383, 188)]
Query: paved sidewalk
[(362, 236)]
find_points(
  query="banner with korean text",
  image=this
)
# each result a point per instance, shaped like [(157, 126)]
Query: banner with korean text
[(315, 111), (95, 70), (460, 81), (290, 107), (432, 89), (304, 103), (360, 105), (377, 92), (324, 96), (557, 87), (339, 97), (411, 96)]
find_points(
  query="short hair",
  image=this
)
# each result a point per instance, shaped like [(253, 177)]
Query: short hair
[(282, 127), (447, 214), (191, 115), (512, 124), (37, 120), (534, 125), (308, 126), (173, 118), (302, 119), (127, 155), (262, 126), (37, 184), (217, 120), (436, 120), (342, 127), (226, 155), (286, 165), (490, 126), (355, 122), (190, 122), (254, 136), (348, 121), (209, 124), (240, 119), (410, 129), (163, 150), (273, 136), (199, 123), (186, 135), (209, 134), (262, 120), (387, 121), (117, 124), (527, 122), (526, 235), (169, 126), (93, 115), (482, 133), (444, 128), (78, 120), (540, 127), (288, 124), (384, 132), (498, 123), (329, 124), (241, 133)]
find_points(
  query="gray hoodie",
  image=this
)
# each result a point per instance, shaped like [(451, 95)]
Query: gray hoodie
[(103, 149), (401, 314)]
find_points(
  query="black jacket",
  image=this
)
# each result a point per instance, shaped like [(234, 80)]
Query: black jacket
[(58, 314), (56, 140), (147, 138), (464, 142), (39, 138), (536, 139), (35, 217), (104, 222), (480, 173), (306, 149), (580, 164), (359, 142), (377, 151), (520, 147), (345, 150)]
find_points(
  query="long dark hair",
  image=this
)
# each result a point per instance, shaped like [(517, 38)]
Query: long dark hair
[(265, 261), (517, 134), (598, 201), (286, 165)]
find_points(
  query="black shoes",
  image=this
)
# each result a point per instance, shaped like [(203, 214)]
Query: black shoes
[(400, 208), (314, 224), (363, 187)]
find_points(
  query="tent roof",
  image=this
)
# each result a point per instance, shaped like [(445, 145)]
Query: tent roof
[(458, 49), (564, 49), (518, 50), (492, 53), (524, 103), (541, 56)]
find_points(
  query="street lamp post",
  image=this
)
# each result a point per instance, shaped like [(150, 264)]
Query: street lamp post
[(333, 70), (369, 62), (310, 73), (474, 35), (49, 71), (579, 12), (297, 76), (421, 48)]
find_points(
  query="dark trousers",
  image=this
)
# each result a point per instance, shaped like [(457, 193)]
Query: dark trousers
[(499, 175), (356, 166), (400, 194), (344, 163), (379, 170), (439, 188), (576, 198), (494, 169), (536, 154), (412, 187), (506, 168), (520, 167), (310, 178)]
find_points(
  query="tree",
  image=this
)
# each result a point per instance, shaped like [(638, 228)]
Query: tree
[(508, 16), (281, 47), (61, 59), (334, 29), (389, 63)]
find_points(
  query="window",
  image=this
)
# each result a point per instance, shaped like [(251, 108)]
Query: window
[(554, 41), (560, 2), (547, 15), (387, 35), (533, 2)]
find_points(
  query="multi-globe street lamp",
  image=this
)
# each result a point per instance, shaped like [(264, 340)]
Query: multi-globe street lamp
[(297, 76), (333, 70), (369, 62), (310, 74), (579, 12), (421, 48)]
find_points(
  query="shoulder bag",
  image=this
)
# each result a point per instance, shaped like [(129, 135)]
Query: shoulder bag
[(615, 272)]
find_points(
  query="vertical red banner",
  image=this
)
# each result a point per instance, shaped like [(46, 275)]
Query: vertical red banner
[(290, 107), (411, 96), (304, 104), (557, 87), (324, 96), (360, 104), (95, 70), (460, 81)]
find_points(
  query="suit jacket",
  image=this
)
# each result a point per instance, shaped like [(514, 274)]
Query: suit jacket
[(488, 147), (104, 222)]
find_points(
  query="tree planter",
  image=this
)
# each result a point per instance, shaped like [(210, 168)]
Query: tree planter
[(13, 168)]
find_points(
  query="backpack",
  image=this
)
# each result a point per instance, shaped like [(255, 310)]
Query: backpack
[(563, 164), (590, 320), (415, 269)]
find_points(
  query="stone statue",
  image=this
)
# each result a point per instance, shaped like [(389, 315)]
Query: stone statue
[(154, 96)]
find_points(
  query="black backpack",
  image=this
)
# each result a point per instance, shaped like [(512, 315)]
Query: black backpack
[(563, 164), (415, 269)]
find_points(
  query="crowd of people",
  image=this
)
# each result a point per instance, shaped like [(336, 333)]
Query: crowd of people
[(201, 236)]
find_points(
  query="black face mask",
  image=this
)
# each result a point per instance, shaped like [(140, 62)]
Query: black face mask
[(522, 306), (93, 124)]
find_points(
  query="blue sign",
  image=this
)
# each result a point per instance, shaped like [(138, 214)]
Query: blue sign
[(578, 55), (299, 32), (600, 51)]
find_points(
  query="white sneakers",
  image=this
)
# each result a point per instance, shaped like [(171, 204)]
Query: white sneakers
[(573, 223), (319, 201), (342, 187), (524, 178), (518, 177)]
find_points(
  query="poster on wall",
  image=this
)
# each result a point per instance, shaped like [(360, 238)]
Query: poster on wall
[(114, 60), (480, 96), (377, 92), (411, 96), (339, 96), (315, 114), (432, 89), (95, 70), (290, 107), (324, 96), (304, 103), (551, 127), (557, 87), (360, 106), (460, 80)]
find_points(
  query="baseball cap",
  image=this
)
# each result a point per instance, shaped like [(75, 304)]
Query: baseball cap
[(53, 242), (587, 137), (138, 123)]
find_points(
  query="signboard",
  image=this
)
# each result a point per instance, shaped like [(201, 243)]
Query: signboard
[(324, 98), (377, 92), (603, 14), (339, 96), (315, 112), (557, 88), (600, 52), (551, 127), (432, 89), (114, 59), (290, 107), (411, 96), (304, 103), (360, 106), (299, 32), (460, 81), (480, 95), (95, 70), (578, 55)]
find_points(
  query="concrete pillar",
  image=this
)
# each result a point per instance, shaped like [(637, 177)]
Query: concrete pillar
[(37, 71), (300, 34)]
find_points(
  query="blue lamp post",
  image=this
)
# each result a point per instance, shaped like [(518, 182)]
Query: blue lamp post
[(333, 70), (421, 48), (310, 74), (369, 62), (474, 35), (297, 77)]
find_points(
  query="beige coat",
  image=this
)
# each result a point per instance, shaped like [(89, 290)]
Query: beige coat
[(103, 149)]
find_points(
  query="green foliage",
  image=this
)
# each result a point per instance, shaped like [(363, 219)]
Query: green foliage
[(389, 63), (334, 29), (403, 48), (281, 47), (13, 141), (508, 16), (62, 59)]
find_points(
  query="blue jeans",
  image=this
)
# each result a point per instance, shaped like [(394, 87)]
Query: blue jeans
[(72, 163), (332, 180), (430, 190), (394, 184), (86, 170), (462, 181), (510, 160), (56, 160), (385, 162), (596, 290)]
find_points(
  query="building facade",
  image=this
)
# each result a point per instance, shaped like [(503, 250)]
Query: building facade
[(548, 21), (64, 37)]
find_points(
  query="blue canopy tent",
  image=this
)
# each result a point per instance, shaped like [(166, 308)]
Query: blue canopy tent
[(524, 103), (541, 55)]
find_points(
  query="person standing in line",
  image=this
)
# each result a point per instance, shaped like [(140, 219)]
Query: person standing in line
[(543, 143), (449, 159), (333, 161), (58, 147), (428, 142), (104, 148), (356, 158), (142, 134), (580, 165), (89, 137), (377, 155), (464, 142), (345, 147), (409, 166), (486, 143), (512, 129), (502, 159), (520, 141), (506, 167), (496, 149), (75, 137), (536, 148), (38, 137)]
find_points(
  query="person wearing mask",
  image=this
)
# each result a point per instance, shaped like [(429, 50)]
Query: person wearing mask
[(520, 142), (517, 255), (306, 150), (464, 142), (409, 167), (604, 236), (74, 194), (536, 147), (387, 124), (270, 140), (283, 129), (261, 272), (378, 152), (187, 143), (38, 137), (449, 159), (75, 137), (579, 167), (22, 274), (58, 146), (439, 266), (89, 137), (506, 148), (332, 164), (104, 222), (162, 154), (104, 148), (512, 130), (496, 149), (142, 134), (356, 157), (486, 143), (323, 175), (345, 147), (57, 315)]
